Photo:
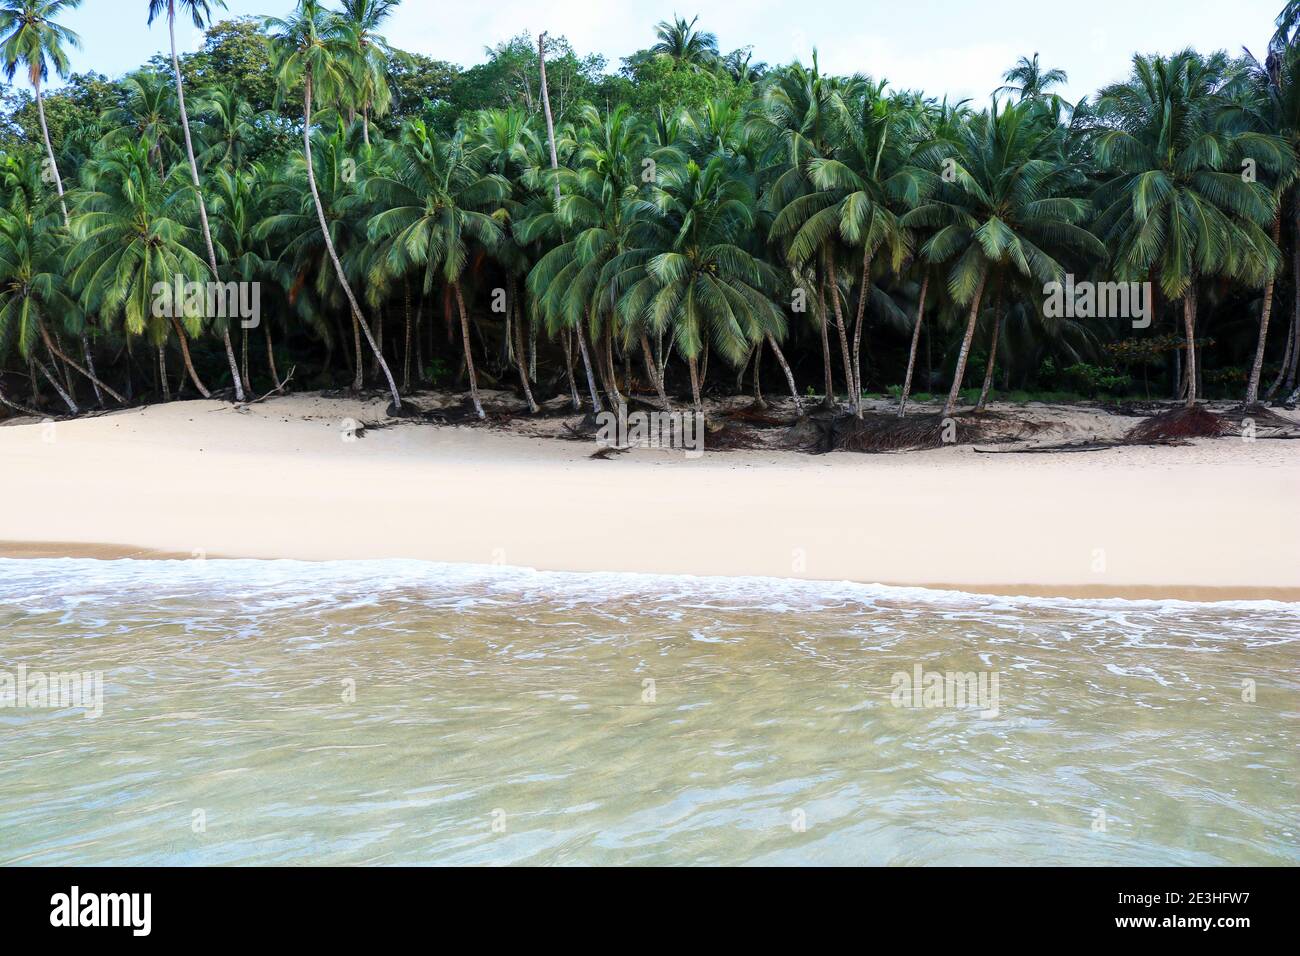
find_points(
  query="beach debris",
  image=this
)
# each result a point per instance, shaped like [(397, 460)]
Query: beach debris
[(1194, 421)]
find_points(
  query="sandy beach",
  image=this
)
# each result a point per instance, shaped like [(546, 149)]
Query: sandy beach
[(292, 478)]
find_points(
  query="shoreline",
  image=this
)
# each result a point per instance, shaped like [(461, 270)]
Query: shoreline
[(84, 550), (1213, 521)]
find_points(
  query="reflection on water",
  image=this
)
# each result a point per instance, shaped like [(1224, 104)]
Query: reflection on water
[(401, 712)]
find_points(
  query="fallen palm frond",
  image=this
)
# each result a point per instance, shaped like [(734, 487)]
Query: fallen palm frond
[(888, 433), (1179, 424)]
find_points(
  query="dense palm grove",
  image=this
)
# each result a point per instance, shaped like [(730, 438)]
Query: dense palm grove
[(691, 223)]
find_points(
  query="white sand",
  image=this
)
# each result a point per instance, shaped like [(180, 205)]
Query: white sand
[(1220, 519)]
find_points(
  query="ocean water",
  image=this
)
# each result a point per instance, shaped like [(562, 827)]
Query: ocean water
[(278, 712)]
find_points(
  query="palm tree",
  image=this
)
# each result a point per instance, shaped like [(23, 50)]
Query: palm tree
[(688, 275), (200, 12), (1269, 102), (1027, 79), (866, 181), (32, 39), (1003, 211), (370, 55), (131, 239), (799, 112), (310, 49), (145, 113), (438, 200), (1176, 205), (680, 42)]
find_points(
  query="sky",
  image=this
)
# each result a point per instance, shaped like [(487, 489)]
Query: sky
[(958, 47)]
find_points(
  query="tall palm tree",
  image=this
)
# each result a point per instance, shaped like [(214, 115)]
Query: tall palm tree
[(1269, 102), (680, 42), (33, 40), (438, 201), (1027, 79), (1176, 205), (200, 12), (310, 48), (1004, 212), (145, 113), (370, 55)]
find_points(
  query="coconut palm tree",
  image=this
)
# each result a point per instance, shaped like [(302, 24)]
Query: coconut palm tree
[(439, 200), (680, 42), (1176, 206), (1027, 79), (687, 275), (33, 40), (1002, 210), (866, 182), (310, 49), (131, 243), (370, 55), (146, 113), (200, 13), (1269, 102)]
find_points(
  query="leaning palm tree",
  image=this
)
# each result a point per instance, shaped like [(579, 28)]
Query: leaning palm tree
[(1176, 205), (310, 49), (438, 201), (200, 12), (33, 40)]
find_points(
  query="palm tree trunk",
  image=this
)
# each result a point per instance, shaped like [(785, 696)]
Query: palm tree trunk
[(270, 359), (359, 378), (162, 375), (1189, 328), (49, 149), (56, 351), (758, 376), (851, 382), (519, 358), (612, 388), (959, 373), (695, 383), (1257, 367), (857, 328), (652, 369), (566, 338), (829, 400), (67, 399), (789, 375), (406, 347), (189, 364), (198, 192), (469, 352), (596, 404), (993, 355), (243, 358), (916, 338), (334, 257), (90, 367)]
